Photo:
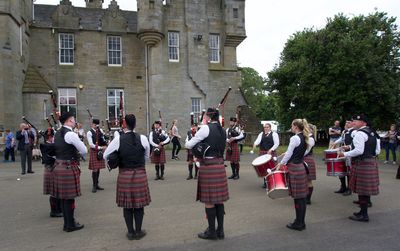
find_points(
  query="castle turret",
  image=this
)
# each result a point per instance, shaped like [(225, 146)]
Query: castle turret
[(234, 21), (96, 4), (150, 18)]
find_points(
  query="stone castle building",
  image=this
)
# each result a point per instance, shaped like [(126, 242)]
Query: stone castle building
[(174, 56)]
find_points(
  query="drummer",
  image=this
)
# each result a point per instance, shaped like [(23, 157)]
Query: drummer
[(268, 142), (297, 173), (309, 160), (364, 175), (345, 141)]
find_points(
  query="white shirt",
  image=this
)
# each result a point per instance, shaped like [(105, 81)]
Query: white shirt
[(115, 143), (200, 135), (341, 139), (359, 143), (90, 139), (73, 139), (310, 145), (154, 144), (275, 137), (240, 136), (294, 142)]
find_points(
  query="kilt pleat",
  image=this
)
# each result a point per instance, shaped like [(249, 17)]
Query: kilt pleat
[(234, 155), (48, 181), (212, 184), (364, 178), (66, 180), (158, 159), (95, 164), (132, 188), (298, 187), (309, 159)]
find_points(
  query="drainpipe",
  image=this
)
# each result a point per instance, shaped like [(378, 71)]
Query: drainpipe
[(146, 60)]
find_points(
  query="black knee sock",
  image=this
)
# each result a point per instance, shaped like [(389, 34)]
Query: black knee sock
[(162, 170), (68, 211), (97, 177), (94, 178), (157, 171), (190, 168), (53, 204), (128, 216), (342, 183), (233, 170), (196, 170), (211, 214), (237, 167), (363, 199), (58, 205), (398, 173), (138, 213), (310, 191), (297, 210), (65, 212), (302, 211), (220, 211)]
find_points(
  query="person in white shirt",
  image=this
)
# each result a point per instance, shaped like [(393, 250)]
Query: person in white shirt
[(233, 135), (158, 138)]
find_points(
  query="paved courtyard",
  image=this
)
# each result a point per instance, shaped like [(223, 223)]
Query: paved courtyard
[(253, 221)]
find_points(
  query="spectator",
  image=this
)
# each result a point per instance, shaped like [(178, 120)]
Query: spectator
[(10, 146), (391, 144), (334, 133), (25, 139)]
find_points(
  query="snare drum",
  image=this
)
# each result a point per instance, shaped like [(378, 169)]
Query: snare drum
[(277, 185), (262, 163), (336, 167), (330, 154)]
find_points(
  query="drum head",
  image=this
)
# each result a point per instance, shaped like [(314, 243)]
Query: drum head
[(261, 159), (278, 193), (330, 151)]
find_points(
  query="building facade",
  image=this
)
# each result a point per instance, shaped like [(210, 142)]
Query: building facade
[(176, 57)]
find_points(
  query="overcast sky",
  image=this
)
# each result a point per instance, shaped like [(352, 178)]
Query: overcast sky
[(269, 23)]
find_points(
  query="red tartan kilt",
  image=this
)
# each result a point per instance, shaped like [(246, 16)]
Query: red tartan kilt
[(234, 155), (132, 188), (158, 159), (212, 184), (67, 183), (190, 156), (364, 178), (309, 159), (48, 181), (298, 187), (95, 164)]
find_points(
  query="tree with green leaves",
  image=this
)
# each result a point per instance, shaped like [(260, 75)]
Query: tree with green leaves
[(352, 65)]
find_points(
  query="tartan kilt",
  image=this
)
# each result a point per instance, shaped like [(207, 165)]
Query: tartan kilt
[(132, 188), (312, 169), (298, 187), (95, 164), (158, 159), (234, 155), (48, 180), (364, 178), (67, 184), (190, 157), (212, 184)]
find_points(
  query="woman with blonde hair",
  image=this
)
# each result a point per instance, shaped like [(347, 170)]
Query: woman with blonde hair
[(309, 160), (298, 184), (176, 145)]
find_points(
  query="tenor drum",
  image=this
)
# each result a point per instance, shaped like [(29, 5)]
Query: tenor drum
[(277, 185), (262, 163), (330, 154), (336, 167)]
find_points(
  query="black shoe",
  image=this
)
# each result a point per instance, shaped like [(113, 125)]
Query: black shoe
[(369, 204), (55, 215), (177, 158), (31, 172), (232, 176), (130, 236), (357, 214), (161, 178), (76, 227), (99, 188), (173, 158), (140, 234), (23, 173), (308, 201), (94, 189), (189, 177), (157, 178), (220, 235), (359, 218), (347, 192), (341, 190), (207, 235), (296, 226), (236, 177)]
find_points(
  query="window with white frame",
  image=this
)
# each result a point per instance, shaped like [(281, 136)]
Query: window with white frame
[(214, 48), (173, 46), (114, 104), (66, 48), (114, 49), (196, 109), (67, 100)]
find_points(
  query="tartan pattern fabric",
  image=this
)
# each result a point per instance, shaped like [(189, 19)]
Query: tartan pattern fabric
[(309, 159), (95, 164), (212, 184), (190, 157), (234, 155), (67, 183), (158, 159), (298, 187), (48, 181), (132, 188), (364, 178)]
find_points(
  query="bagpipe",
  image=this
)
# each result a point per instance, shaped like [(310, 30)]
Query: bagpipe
[(55, 115), (162, 137)]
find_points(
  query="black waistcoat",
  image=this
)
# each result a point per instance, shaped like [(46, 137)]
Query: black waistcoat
[(369, 145), (216, 140), (131, 151), (298, 152), (64, 151), (266, 142)]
